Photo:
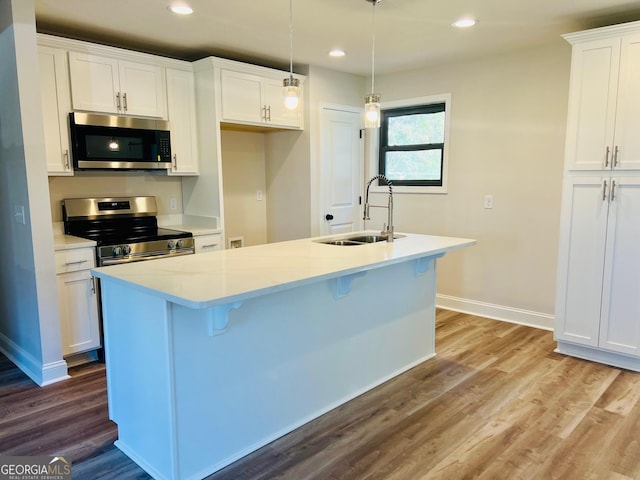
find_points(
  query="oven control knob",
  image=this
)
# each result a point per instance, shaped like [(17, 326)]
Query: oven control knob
[(171, 244), (117, 251), (126, 249), (179, 244)]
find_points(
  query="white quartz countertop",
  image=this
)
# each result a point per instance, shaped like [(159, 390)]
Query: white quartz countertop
[(69, 242), (217, 278), (195, 230)]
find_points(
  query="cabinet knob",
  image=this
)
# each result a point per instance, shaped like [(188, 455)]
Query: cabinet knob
[(328, 216)]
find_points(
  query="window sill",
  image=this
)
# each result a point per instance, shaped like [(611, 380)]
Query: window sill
[(411, 190)]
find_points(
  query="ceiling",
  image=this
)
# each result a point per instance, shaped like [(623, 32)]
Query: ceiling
[(409, 33)]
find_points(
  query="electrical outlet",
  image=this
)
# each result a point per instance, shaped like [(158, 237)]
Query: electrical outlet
[(488, 201), (259, 195), (173, 203)]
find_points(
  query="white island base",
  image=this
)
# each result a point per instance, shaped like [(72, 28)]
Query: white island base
[(194, 389)]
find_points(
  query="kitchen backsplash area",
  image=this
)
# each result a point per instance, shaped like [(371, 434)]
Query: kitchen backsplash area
[(167, 190)]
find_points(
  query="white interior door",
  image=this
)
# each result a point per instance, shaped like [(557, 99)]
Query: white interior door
[(341, 156)]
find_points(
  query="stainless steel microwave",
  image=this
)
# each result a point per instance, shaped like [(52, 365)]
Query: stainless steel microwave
[(110, 142)]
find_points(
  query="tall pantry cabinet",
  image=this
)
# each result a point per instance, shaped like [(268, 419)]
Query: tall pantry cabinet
[(598, 287)]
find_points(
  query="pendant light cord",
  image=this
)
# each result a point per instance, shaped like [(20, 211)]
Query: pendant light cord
[(291, 38), (373, 46)]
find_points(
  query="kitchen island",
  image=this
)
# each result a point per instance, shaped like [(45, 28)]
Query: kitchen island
[(211, 356)]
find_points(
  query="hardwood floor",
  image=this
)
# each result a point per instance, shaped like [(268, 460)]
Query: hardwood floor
[(496, 403)]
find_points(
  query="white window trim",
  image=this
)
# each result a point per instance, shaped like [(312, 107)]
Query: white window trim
[(372, 143)]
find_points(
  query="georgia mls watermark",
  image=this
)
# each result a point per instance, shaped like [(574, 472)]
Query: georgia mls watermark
[(35, 468)]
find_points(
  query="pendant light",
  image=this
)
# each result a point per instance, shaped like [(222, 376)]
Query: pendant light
[(291, 85), (372, 101)]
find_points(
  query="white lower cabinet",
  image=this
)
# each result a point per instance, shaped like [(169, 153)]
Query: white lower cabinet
[(78, 300), (598, 291), (208, 243)]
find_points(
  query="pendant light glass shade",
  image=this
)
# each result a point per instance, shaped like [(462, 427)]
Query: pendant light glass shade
[(291, 86), (372, 101), (372, 111)]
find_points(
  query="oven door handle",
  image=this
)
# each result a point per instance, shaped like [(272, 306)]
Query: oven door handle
[(116, 261)]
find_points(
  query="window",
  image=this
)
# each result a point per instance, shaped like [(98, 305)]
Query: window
[(412, 149)]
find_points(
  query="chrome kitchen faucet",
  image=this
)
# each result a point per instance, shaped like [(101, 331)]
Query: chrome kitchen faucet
[(387, 229)]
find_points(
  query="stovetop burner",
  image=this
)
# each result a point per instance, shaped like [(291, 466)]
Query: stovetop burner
[(124, 228)]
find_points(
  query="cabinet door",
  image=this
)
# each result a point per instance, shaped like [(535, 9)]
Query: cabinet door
[(78, 312), (241, 97), (278, 114), (627, 140), (94, 82), (581, 259), (56, 105), (182, 117), (592, 104), (142, 89), (208, 243), (620, 323)]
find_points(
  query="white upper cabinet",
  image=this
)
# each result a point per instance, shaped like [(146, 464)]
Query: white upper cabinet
[(109, 85), (626, 142), (604, 103), (56, 105), (182, 119), (250, 98)]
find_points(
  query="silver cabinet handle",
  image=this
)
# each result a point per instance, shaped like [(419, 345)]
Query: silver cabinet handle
[(269, 113), (613, 190), (93, 285), (118, 105), (124, 98), (264, 113), (614, 161), (79, 262), (175, 161), (604, 191), (606, 158), (66, 160), (211, 245)]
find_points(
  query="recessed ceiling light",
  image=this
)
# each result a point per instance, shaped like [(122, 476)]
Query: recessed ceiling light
[(465, 22), (181, 9), (336, 52)]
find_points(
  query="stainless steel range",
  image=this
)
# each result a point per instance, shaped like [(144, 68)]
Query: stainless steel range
[(125, 229)]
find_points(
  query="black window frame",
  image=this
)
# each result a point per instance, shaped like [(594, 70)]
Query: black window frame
[(383, 148)]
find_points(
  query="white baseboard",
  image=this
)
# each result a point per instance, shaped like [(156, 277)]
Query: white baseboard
[(497, 312), (41, 374)]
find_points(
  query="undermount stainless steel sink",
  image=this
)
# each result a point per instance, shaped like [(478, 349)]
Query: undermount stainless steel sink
[(344, 243), (357, 240)]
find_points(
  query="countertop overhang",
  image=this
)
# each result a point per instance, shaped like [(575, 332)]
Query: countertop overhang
[(211, 279)]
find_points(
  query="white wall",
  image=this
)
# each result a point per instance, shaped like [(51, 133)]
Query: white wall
[(243, 175), (29, 319), (508, 120), (328, 87)]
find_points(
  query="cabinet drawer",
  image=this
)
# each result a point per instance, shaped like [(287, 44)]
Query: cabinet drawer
[(208, 243), (75, 260)]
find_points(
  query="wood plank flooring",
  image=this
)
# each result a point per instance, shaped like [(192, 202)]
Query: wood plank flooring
[(496, 403)]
